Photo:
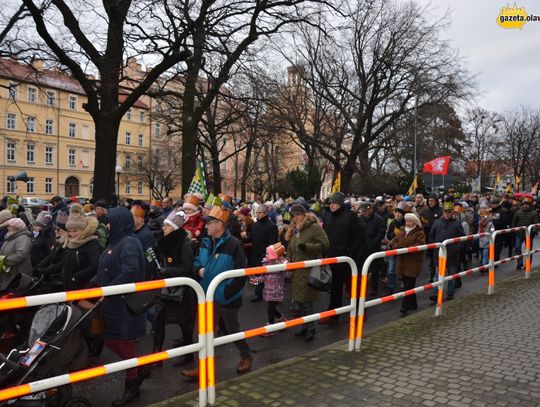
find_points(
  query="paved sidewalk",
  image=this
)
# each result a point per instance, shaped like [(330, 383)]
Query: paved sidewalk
[(484, 351)]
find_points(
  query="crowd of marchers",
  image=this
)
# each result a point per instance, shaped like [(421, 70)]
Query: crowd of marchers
[(69, 246)]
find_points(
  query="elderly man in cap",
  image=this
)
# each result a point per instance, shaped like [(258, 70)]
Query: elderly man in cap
[(444, 228), (524, 217), (375, 232), (346, 233), (218, 253), (58, 205)]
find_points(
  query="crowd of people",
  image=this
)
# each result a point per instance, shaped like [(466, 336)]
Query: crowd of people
[(72, 246)]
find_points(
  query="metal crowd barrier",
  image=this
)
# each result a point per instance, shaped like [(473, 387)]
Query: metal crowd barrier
[(211, 343), (69, 378)]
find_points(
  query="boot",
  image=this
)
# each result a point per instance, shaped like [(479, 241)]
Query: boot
[(131, 392), (310, 335), (144, 373)]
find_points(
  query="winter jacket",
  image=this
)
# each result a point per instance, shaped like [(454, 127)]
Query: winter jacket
[(122, 262), (148, 243), (155, 221), (501, 218), (375, 231), (316, 243), (51, 266), (176, 258), (447, 229), (410, 264), (223, 254), (194, 225), (525, 218), (234, 226), (487, 227), (428, 216), (394, 228), (345, 232), (41, 244), (263, 234), (81, 258), (16, 249)]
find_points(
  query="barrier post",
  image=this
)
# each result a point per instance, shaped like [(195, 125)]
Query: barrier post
[(442, 274), (491, 273), (203, 381), (362, 302), (528, 252), (211, 372)]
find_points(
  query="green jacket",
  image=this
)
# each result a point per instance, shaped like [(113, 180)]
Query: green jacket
[(316, 241), (525, 218)]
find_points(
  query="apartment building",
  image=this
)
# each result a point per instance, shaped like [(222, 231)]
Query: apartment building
[(45, 131)]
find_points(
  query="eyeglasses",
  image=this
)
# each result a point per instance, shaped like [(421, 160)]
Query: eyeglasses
[(212, 221)]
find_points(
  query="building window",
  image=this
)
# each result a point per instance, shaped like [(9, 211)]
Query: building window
[(32, 94), (31, 124), (91, 188), (140, 187), (129, 113), (71, 156), (73, 103), (10, 152), (50, 98), (48, 185), (128, 138), (72, 130), (10, 185), (11, 121), (140, 162), (157, 131), (140, 140), (128, 187), (30, 153), (127, 163), (49, 126), (12, 91), (142, 117), (30, 185), (159, 109), (49, 151)]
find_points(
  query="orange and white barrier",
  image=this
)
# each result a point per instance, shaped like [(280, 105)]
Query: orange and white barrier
[(528, 248), (44, 384), (211, 343)]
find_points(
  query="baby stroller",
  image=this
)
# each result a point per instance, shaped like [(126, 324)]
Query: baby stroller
[(14, 324), (56, 345)]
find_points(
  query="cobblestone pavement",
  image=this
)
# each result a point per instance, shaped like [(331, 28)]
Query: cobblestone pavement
[(482, 352)]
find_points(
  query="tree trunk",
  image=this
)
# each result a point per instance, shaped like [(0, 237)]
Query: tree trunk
[(216, 173), (245, 171), (105, 158)]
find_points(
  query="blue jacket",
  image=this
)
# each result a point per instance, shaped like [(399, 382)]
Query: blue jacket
[(224, 254)]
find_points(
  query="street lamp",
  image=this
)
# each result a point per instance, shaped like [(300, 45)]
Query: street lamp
[(118, 170)]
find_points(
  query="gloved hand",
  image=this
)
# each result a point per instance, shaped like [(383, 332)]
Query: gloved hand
[(302, 246)]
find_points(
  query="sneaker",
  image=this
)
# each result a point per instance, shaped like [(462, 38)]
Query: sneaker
[(245, 364)]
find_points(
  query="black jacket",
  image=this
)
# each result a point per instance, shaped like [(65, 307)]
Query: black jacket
[(263, 234), (428, 216), (502, 217), (346, 233), (375, 231), (41, 244), (51, 266), (80, 265), (447, 229), (148, 243)]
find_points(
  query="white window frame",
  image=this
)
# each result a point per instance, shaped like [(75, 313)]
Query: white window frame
[(31, 124), (11, 186), (72, 130), (50, 98), (11, 121), (128, 187), (140, 188), (128, 138), (49, 155), (49, 127), (72, 157), (32, 94), (129, 114), (127, 162), (11, 151), (48, 185), (30, 185), (157, 130), (142, 115), (30, 153), (140, 140), (72, 102)]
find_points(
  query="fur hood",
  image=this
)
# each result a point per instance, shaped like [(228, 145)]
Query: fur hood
[(87, 234), (309, 220)]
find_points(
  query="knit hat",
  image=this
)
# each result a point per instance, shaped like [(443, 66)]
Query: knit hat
[(55, 198), (218, 213), (262, 208), (448, 206), (297, 209), (43, 219), (275, 251), (414, 218), (401, 208), (175, 220), (61, 219), (5, 215), (88, 208), (76, 219), (337, 198), (16, 223), (191, 202), (244, 211)]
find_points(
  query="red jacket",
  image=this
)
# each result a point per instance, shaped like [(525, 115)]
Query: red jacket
[(193, 224)]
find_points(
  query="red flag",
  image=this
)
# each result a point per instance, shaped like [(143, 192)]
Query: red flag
[(438, 166)]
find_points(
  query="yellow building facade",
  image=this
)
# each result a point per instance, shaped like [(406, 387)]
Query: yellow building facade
[(45, 132)]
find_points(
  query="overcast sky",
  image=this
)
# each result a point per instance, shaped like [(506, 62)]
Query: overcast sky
[(507, 61)]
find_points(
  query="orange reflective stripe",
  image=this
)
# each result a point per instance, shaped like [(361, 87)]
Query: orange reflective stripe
[(439, 297), (211, 372), (152, 358), (254, 332), (528, 242), (14, 392), (363, 286), (209, 317), (12, 303), (360, 323), (84, 294), (255, 270), (352, 327), (354, 289), (491, 278), (202, 319), (327, 314), (331, 260), (202, 373), (87, 374), (296, 266), (491, 251), (150, 285), (294, 322)]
